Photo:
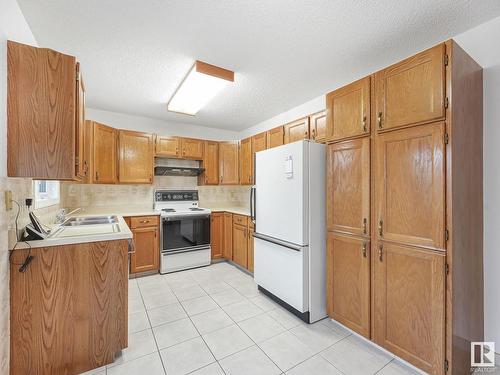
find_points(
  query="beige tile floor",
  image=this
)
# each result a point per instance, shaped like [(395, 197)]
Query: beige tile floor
[(213, 320)]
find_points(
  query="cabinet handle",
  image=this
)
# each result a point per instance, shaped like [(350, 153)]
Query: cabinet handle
[(131, 246), (379, 120), (363, 123), (314, 134), (364, 225), (363, 249), (380, 252), (380, 226), (221, 179), (144, 221), (96, 175)]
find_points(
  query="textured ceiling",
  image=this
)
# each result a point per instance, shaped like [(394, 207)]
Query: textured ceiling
[(134, 53)]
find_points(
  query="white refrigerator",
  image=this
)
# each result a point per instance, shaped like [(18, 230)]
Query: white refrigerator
[(288, 205)]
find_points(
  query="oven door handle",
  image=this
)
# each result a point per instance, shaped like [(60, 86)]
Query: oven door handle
[(185, 217)]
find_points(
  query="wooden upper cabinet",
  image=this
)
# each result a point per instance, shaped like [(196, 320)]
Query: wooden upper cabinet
[(348, 111), (317, 123), (228, 236), (135, 157), (246, 161), (81, 165), (412, 91), (42, 113), (348, 282), (192, 148), (102, 153), (217, 234), (275, 137), (229, 163), (410, 185), (296, 130), (146, 247), (211, 164), (168, 146), (409, 304), (240, 245), (259, 143), (348, 186)]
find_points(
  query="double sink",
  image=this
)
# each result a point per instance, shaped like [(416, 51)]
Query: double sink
[(87, 226), (90, 220)]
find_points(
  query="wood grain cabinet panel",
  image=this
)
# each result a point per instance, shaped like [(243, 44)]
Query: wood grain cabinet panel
[(229, 163), (135, 157), (246, 161), (168, 146), (42, 113), (217, 234), (192, 148), (240, 245), (275, 137), (296, 130), (411, 91), (348, 186), (250, 257), (81, 164), (68, 311), (348, 282), (211, 164), (146, 256), (409, 304), (228, 236), (317, 123), (410, 185), (348, 111), (102, 153), (259, 143)]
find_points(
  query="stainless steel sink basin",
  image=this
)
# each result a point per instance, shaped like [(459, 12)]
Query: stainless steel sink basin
[(90, 220)]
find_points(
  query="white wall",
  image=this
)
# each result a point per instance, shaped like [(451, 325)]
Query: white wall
[(149, 125), (13, 26), (482, 44)]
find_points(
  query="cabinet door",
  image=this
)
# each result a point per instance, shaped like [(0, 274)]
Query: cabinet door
[(410, 185), (348, 111), (192, 148), (136, 157), (240, 245), (409, 301), (412, 91), (275, 137), (348, 282), (168, 146), (297, 130), (246, 161), (317, 123), (348, 186), (229, 163), (81, 162), (217, 234), (228, 235), (211, 164), (147, 252), (259, 143), (105, 154), (250, 247)]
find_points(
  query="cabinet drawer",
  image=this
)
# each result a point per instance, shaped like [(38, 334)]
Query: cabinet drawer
[(240, 219), (143, 221)]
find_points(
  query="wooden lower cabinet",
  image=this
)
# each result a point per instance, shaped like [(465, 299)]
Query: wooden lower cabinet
[(68, 310), (146, 255), (348, 281), (228, 236), (409, 304), (251, 228), (217, 234), (240, 245)]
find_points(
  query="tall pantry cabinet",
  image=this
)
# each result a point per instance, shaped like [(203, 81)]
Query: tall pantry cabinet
[(404, 218)]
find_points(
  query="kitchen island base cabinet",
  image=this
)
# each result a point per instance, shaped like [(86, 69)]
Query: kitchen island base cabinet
[(74, 300)]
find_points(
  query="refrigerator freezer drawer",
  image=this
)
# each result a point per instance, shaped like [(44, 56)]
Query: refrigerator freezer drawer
[(283, 272)]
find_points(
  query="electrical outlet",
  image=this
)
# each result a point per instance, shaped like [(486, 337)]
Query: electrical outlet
[(8, 200)]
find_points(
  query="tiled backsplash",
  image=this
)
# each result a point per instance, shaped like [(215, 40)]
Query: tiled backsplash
[(224, 196)]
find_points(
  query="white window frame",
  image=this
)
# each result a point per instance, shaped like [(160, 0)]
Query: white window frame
[(50, 197)]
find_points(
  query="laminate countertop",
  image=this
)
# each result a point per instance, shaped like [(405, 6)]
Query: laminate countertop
[(233, 209)]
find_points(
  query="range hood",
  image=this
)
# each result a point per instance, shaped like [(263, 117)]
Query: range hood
[(177, 167)]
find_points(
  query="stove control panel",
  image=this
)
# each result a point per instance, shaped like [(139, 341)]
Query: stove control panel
[(175, 195)]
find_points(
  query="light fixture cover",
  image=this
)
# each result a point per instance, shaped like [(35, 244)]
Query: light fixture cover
[(202, 83)]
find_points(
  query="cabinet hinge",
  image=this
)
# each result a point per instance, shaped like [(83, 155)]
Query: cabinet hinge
[(446, 365), (446, 269), (446, 60), (446, 102), (446, 138), (446, 234)]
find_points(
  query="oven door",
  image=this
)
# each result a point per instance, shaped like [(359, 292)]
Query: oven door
[(185, 233)]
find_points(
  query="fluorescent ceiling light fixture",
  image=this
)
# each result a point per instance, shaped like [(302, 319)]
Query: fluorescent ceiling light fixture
[(202, 83)]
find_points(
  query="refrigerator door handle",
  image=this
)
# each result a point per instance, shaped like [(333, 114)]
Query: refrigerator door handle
[(253, 211), (277, 241)]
